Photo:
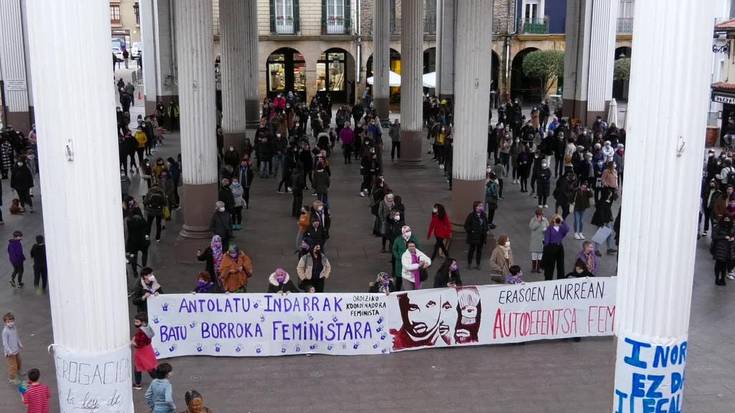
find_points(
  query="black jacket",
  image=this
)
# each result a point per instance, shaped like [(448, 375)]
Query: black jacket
[(721, 248), (137, 230), (225, 195), (476, 228), (444, 276), (38, 253), (21, 178), (137, 297), (221, 224), (287, 287), (208, 257)]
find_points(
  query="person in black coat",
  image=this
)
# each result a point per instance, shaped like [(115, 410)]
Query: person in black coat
[(580, 270), (566, 186), (221, 224), (138, 240), (280, 282), (543, 178), (22, 181), (603, 216), (448, 274), (722, 248), (225, 195), (476, 227), (40, 269)]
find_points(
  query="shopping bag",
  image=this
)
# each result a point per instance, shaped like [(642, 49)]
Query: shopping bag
[(601, 235)]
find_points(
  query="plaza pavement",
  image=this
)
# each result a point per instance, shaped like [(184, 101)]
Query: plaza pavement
[(549, 376)]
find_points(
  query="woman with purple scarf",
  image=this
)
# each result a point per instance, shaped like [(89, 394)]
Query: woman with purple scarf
[(413, 261)]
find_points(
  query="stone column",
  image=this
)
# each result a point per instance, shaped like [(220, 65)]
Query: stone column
[(148, 33), (412, 72), (13, 65), (576, 58), (602, 58), (472, 81), (194, 49), (165, 53), (656, 260), (251, 68), (84, 246), (233, 14), (381, 57), (589, 58), (445, 48)]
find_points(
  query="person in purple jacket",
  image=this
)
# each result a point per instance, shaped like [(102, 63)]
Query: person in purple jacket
[(554, 248), (15, 254), (347, 136)]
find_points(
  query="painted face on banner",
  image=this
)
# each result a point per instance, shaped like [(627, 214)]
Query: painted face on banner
[(426, 318), (468, 310)]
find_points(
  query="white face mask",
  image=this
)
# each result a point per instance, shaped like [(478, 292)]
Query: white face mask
[(507, 244), (407, 235), (221, 209), (397, 218), (10, 324), (435, 210), (320, 209)]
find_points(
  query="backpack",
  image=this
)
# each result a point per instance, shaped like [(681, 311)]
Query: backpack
[(155, 200), (491, 190)]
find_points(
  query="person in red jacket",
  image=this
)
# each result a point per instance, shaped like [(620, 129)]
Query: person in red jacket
[(441, 228)]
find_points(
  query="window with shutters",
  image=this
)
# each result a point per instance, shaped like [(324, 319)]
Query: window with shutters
[(336, 18), (284, 16)]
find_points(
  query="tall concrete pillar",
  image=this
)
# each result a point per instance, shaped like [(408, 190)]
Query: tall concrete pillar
[(412, 82), (381, 58), (194, 51), (472, 88), (445, 48), (233, 15), (251, 68), (165, 51), (589, 58), (656, 260), (84, 246), (13, 66), (148, 34)]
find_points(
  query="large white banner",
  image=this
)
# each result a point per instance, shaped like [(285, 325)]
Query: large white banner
[(496, 314), (94, 382), (268, 324), (346, 324)]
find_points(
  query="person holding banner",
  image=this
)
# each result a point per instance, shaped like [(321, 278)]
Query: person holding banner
[(144, 359), (235, 271), (280, 282), (501, 260), (399, 247), (313, 269), (382, 284), (588, 257), (448, 274), (554, 248), (415, 264), (146, 288)]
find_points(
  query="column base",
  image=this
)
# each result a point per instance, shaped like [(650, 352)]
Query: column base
[(382, 108), (150, 107), (20, 121), (464, 194), (411, 147), (575, 109), (252, 113), (198, 205), (234, 139)]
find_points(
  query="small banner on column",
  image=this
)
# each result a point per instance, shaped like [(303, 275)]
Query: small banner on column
[(361, 323), (649, 375), (94, 382)]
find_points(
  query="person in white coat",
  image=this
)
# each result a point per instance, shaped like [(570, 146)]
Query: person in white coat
[(413, 262)]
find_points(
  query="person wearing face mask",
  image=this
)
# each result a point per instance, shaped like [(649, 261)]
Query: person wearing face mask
[(280, 282), (566, 186), (382, 284), (237, 192), (476, 227), (232, 157), (723, 248), (415, 264), (314, 268), (147, 287), (515, 149), (536, 162), (235, 270), (441, 227), (553, 255), (154, 202), (21, 180), (588, 257), (400, 245), (524, 160), (491, 197), (543, 178), (221, 224), (608, 152), (538, 226), (382, 219), (609, 177), (144, 359), (448, 274), (603, 216), (321, 213), (501, 259)]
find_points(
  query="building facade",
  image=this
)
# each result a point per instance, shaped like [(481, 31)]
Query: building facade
[(125, 23)]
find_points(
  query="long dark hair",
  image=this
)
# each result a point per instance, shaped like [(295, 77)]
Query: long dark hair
[(445, 266), (440, 211)]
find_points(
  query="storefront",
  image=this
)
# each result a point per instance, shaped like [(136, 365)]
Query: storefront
[(724, 93), (334, 74), (286, 72)]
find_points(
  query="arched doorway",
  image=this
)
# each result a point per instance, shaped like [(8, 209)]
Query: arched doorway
[(430, 60), (522, 87), (395, 67), (495, 72), (620, 87), (286, 72), (335, 75)]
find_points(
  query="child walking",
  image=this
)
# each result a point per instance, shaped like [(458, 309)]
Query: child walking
[(159, 396), (11, 347), (36, 395), (16, 256)]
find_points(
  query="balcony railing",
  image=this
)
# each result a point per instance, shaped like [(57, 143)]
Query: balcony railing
[(535, 26), (625, 25), (336, 25), (284, 25)]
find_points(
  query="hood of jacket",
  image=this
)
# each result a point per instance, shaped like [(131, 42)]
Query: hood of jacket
[(273, 281)]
